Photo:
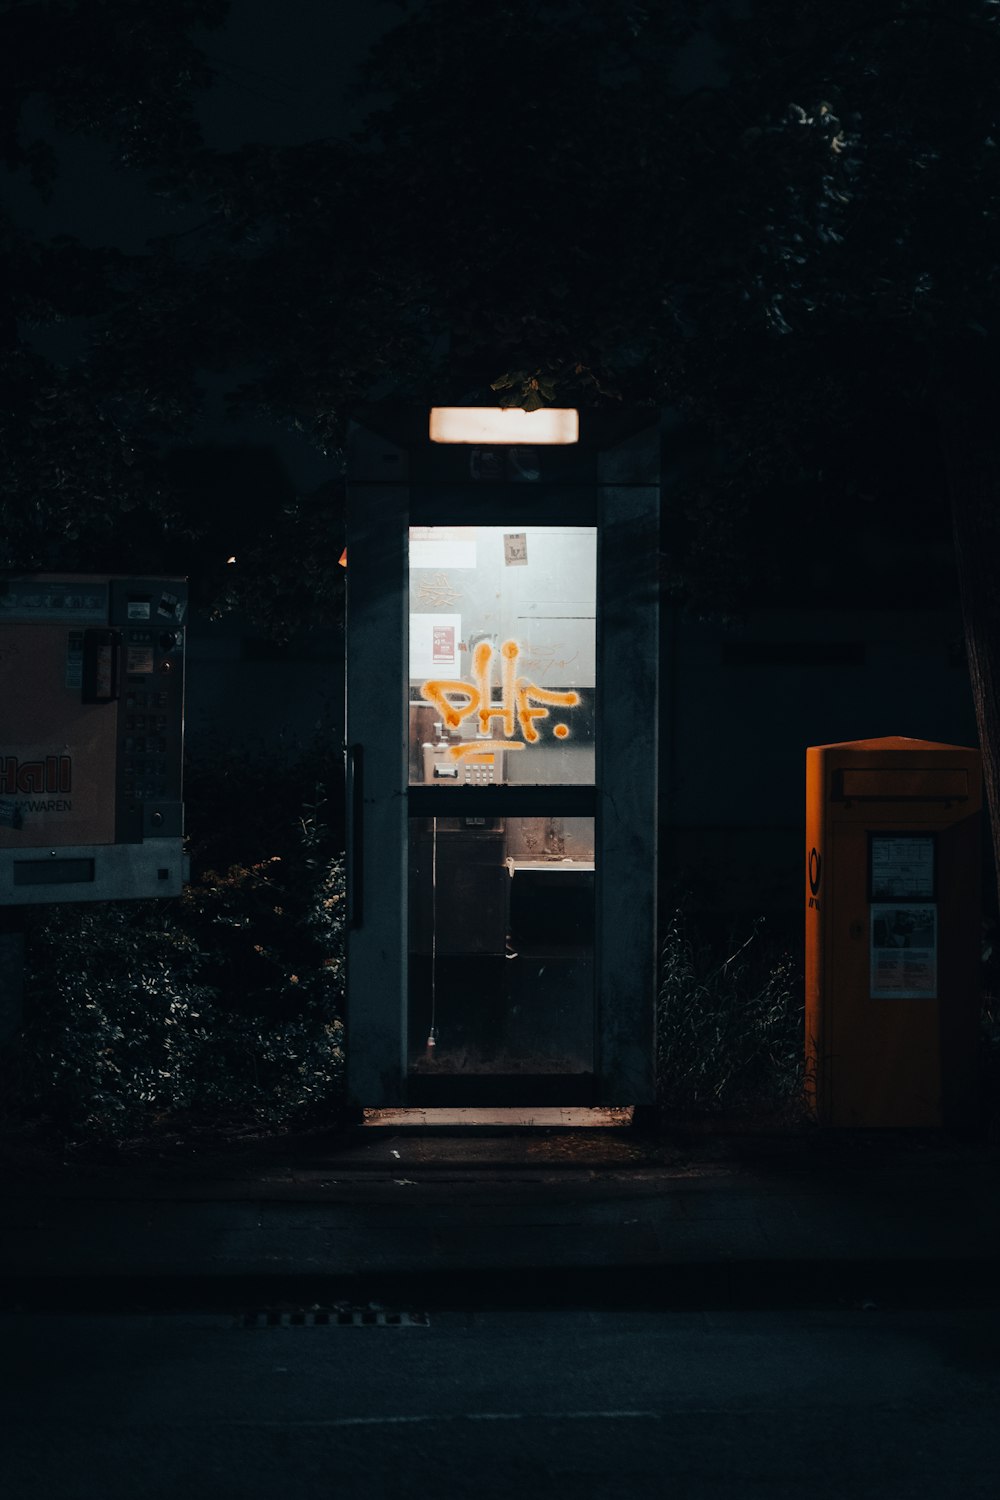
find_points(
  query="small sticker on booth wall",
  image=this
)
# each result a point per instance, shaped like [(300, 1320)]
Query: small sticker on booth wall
[(435, 645), (515, 549), (903, 950), (443, 645)]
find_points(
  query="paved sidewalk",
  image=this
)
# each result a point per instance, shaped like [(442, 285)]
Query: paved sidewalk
[(543, 1214)]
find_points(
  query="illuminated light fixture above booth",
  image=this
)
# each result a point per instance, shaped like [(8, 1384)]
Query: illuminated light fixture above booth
[(487, 425)]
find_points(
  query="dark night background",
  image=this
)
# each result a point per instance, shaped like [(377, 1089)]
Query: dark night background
[(229, 225)]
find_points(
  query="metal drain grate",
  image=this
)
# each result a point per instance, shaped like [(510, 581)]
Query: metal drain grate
[(331, 1317)]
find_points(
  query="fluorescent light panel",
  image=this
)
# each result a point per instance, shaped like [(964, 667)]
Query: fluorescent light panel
[(508, 424)]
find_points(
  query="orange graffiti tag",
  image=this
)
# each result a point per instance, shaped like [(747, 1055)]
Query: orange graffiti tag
[(520, 700)]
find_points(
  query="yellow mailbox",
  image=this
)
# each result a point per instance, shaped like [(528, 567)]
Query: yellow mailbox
[(892, 932)]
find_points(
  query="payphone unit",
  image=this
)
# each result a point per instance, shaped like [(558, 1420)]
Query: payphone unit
[(482, 768)]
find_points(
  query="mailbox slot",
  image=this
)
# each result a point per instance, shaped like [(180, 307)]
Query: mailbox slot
[(901, 783)]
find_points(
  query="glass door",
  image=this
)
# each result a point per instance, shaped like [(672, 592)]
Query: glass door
[(501, 709), (502, 638)]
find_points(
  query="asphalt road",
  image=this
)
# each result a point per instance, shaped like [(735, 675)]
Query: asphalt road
[(854, 1403)]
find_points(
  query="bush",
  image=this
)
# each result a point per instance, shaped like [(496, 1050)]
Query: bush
[(222, 1006), (116, 1018), (730, 1024)]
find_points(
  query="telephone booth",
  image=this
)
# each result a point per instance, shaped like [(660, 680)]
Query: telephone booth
[(501, 757)]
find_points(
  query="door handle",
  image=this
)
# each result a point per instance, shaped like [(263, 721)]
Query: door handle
[(354, 793)]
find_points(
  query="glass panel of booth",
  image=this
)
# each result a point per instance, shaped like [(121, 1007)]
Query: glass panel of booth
[(502, 650), (502, 681), (501, 939)]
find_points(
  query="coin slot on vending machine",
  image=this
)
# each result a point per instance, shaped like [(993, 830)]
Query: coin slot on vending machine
[(102, 662)]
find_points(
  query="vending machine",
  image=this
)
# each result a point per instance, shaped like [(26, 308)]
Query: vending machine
[(91, 738)]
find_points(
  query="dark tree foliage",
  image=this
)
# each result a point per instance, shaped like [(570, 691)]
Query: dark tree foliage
[(80, 452), (117, 68), (794, 254)]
